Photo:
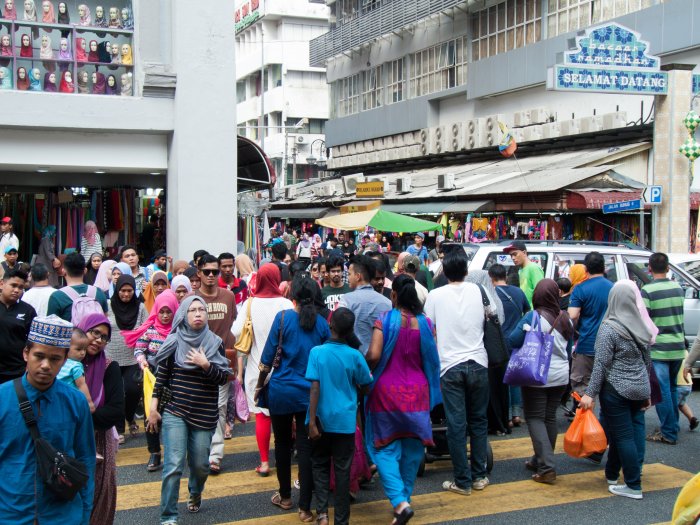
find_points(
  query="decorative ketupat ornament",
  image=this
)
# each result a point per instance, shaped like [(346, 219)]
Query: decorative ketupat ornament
[(691, 148)]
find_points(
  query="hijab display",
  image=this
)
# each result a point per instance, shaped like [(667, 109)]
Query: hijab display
[(112, 87), (99, 84), (67, 83), (85, 16), (10, 10), (30, 11), (63, 15), (50, 82), (25, 49), (93, 55), (5, 78), (115, 54), (127, 58), (81, 50), (64, 52), (127, 87), (35, 79), (46, 51), (100, 19), (48, 15), (127, 18), (115, 21), (104, 52), (83, 86), (22, 79), (5, 46)]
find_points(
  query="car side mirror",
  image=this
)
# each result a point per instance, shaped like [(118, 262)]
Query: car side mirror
[(692, 293)]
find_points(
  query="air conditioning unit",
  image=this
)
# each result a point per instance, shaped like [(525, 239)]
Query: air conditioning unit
[(403, 185), (551, 130), (369, 146), (532, 133), (324, 190), (490, 132), (379, 144), (425, 143), (471, 134), (301, 139), (570, 127), (455, 142), (538, 116), (439, 139), (518, 134), (521, 119), (614, 120), (290, 193), (446, 181), (350, 183), (590, 124)]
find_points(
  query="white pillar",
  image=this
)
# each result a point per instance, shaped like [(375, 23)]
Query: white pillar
[(201, 194)]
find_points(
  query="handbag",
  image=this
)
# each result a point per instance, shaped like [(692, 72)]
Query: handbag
[(529, 364), (62, 474), (245, 341), (264, 394), (494, 339)]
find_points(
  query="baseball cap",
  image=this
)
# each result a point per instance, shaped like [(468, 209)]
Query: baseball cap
[(159, 253), (420, 234), (7, 220), (10, 249), (515, 245), (411, 263)]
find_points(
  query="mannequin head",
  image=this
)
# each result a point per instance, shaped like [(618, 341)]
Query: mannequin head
[(2, 72), (64, 44), (94, 77), (5, 41), (83, 77), (68, 76), (114, 49), (113, 13), (9, 5), (81, 44), (112, 81), (52, 78), (99, 11), (126, 50), (29, 6), (36, 74), (46, 6), (62, 8), (125, 14), (25, 41), (21, 73), (82, 10), (93, 46), (45, 42)]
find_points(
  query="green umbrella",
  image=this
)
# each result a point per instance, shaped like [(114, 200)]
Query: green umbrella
[(380, 220)]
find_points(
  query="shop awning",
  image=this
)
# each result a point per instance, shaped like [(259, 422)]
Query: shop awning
[(594, 200), (439, 207), (297, 213), (469, 207), (254, 167)]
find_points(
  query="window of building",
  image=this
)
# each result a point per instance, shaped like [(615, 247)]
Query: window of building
[(508, 25), (67, 53), (440, 67), (371, 88), (348, 95), (396, 80), (274, 76), (564, 16), (253, 129), (315, 126), (240, 91)]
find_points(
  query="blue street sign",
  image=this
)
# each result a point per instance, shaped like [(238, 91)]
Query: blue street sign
[(617, 207), (652, 195)]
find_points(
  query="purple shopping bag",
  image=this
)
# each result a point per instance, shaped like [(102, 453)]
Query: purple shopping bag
[(529, 364)]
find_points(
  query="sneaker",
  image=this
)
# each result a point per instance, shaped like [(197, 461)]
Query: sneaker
[(480, 483), (694, 423), (611, 481), (625, 491), (452, 487)]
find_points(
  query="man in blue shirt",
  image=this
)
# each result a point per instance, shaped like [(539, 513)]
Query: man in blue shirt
[(336, 371), (588, 304), (63, 418), (418, 249), (363, 301)]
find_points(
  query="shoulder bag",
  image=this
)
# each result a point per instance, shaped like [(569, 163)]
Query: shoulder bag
[(62, 474), (245, 341), (494, 340), (263, 395)]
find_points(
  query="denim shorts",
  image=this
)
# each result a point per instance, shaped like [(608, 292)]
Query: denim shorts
[(683, 393)]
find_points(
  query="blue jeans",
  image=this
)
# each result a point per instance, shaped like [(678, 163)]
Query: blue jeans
[(667, 410), (625, 430), (397, 464), (181, 441), (465, 393)]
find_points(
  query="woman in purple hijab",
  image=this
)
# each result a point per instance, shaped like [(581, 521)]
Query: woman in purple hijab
[(104, 380), (112, 86), (99, 84), (50, 82)]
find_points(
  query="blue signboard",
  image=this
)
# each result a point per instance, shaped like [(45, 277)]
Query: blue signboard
[(609, 59), (696, 84), (617, 207)]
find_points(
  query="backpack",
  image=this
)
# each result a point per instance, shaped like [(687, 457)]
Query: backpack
[(84, 304)]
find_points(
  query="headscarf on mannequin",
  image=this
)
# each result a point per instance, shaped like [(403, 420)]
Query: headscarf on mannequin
[(99, 86), (83, 86), (50, 16), (128, 20), (22, 83), (10, 14), (6, 80), (67, 85), (30, 13), (46, 51), (5, 46), (116, 22), (49, 87), (115, 54), (63, 18), (80, 51), (35, 80), (103, 52), (127, 58), (113, 89), (93, 56), (65, 55), (127, 87), (86, 18), (100, 21), (26, 50)]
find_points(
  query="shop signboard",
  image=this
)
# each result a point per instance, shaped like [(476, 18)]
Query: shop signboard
[(610, 58), (247, 13), (374, 189), (617, 207), (696, 84)]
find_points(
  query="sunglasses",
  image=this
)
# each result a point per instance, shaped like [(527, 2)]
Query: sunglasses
[(208, 272)]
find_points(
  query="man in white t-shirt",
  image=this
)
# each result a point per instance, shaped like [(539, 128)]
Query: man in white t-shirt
[(38, 295), (458, 314)]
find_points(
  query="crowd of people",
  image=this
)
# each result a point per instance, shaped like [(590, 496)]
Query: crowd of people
[(341, 356)]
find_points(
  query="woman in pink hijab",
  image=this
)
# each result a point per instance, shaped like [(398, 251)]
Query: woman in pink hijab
[(90, 242)]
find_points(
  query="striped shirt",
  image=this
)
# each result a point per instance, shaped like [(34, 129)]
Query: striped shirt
[(195, 393), (148, 344), (664, 299)]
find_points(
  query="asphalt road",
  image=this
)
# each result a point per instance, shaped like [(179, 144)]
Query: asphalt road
[(580, 495)]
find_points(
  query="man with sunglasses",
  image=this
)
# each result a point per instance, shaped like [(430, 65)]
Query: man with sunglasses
[(221, 312)]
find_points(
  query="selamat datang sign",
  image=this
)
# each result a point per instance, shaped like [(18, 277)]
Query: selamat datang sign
[(609, 59)]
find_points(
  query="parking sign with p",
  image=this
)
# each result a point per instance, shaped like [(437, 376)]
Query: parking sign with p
[(652, 195)]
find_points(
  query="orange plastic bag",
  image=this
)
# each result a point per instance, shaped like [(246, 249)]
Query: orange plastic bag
[(585, 435)]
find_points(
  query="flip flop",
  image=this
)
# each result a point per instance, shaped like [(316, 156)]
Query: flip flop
[(194, 503), (279, 502), (404, 516), (262, 473), (214, 468)]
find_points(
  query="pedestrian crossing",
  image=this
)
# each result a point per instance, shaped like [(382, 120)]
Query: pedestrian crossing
[(238, 496)]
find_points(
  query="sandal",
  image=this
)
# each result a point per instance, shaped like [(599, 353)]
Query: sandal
[(154, 463), (214, 467), (306, 516), (284, 504), (516, 421), (262, 473), (404, 516), (659, 438), (194, 503), (133, 429), (322, 519)]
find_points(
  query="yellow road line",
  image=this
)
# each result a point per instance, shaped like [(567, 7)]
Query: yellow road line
[(503, 497)]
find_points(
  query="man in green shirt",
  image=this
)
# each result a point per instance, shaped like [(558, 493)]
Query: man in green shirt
[(332, 294), (529, 273), (59, 302)]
